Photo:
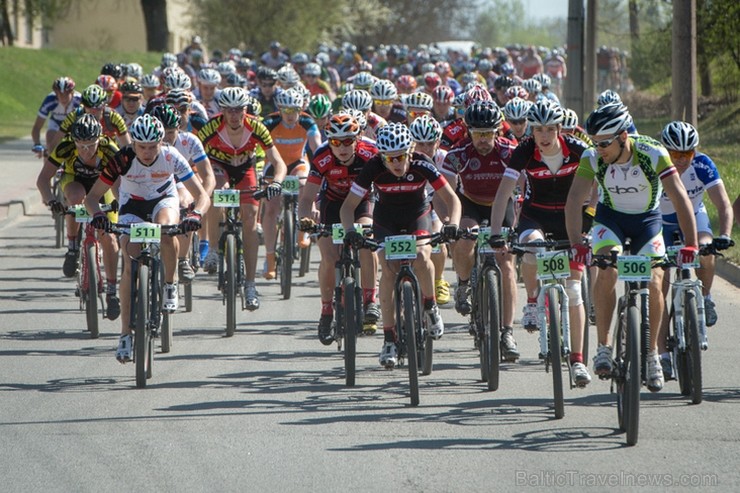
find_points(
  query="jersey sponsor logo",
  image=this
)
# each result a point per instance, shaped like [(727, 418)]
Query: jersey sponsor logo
[(399, 188), (694, 192), (636, 172), (474, 164), (366, 153), (601, 232), (324, 160), (338, 172), (626, 190)]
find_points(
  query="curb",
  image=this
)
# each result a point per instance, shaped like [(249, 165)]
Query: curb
[(728, 271)]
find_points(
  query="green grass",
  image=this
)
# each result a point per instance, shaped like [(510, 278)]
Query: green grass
[(27, 75)]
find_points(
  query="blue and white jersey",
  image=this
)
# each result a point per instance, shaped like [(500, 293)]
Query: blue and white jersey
[(699, 177), (52, 109)]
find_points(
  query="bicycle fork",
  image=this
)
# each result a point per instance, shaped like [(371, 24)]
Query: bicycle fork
[(542, 320), (679, 295)]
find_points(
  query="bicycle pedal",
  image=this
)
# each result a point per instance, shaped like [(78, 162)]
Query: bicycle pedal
[(369, 329)]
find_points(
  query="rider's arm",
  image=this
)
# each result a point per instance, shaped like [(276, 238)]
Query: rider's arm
[(347, 212), (305, 203), (43, 181), (498, 209), (92, 199), (36, 132), (677, 194), (579, 192), (124, 139), (205, 172), (272, 155), (454, 209), (202, 199), (718, 196)]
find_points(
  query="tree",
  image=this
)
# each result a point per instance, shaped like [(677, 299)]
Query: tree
[(155, 21), (504, 22), (6, 33)]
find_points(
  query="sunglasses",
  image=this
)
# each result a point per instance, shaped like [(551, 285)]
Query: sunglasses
[(395, 159), (290, 111), (383, 102), (267, 84), (416, 114), (681, 154), (603, 144), (517, 122), (132, 100), (233, 110), (85, 147), (483, 134), (342, 142)]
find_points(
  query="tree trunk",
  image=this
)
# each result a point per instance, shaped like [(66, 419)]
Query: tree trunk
[(6, 33), (705, 74), (634, 22), (155, 19)]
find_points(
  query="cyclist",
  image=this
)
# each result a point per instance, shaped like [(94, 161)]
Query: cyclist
[(266, 90), (631, 171), (207, 93), (81, 156), (150, 84), (698, 174), (515, 111), (385, 101), (476, 168), (147, 171), (570, 126), (333, 168), (291, 130), (94, 102), (231, 141), (417, 104), (442, 104), (426, 133), (131, 102), (456, 133), (358, 99), (311, 76), (399, 177), (549, 160), (62, 100), (319, 107)]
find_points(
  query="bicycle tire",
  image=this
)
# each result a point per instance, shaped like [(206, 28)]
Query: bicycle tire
[(59, 222), (305, 261), (93, 280), (188, 296), (556, 365), (426, 356), (409, 314), (586, 297), (691, 332), (286, 257), (681, 359), (350, 330), (230, 284), (141, 334), (632, 375), (492, 329), (166, 332)]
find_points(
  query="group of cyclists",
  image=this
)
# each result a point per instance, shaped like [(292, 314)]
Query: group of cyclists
[(434, 150)]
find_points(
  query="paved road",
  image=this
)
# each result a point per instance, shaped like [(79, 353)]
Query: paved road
[(267, 410)]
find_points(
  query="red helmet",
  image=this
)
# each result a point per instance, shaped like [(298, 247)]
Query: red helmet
[(406, 83)]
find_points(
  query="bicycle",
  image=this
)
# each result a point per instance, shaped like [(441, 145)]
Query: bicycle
[(286, 249), (487, 309), (231, 271), (194, 259), (631, 339), (553, 267), (146, 314), (688, 336), (59, 223), (415, 344)]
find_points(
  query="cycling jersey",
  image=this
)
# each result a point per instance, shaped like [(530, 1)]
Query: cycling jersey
[(268, 105), (219, 149), (700, 176), (633, 187), (190, 147), (291, 141), (453, 134), (113, 123), (129, 118), (336, 179), (66, 156), (52, 109), (479, 176)]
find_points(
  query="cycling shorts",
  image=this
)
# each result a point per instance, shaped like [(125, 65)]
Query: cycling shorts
[(298, 168), (136, 211), (702, 226), (611, 228), (240, 179), (329, 211), (87, 183), (479, 213), (389, 222)]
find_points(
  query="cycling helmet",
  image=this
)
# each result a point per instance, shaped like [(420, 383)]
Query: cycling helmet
[(299, 57), (150, 81), (485, 65), (426, 68), (177, 80), (179, 97), (363, 80), (419, 100), (545, 112), (425, 129), (287, 76), (443, 94), (63, 84), (406, 83), (384, 90), (543, 79), (94, 97), (147, 128), (87, 127), (507, 69), (394, 137), (483, 114), (235, 80), (234, 53), (168, 115), (517, 109), (342, 125), (503, 82), (134, 70), (608, 97), (107, 82), (477, 93), (610, 119), (130, 87), (442, 68), (209, 76), (112, 69), (357, 99), (266, 73), (290, 98), (226, 67), (516, 92), (390, 73), (358, 115), (319, 106), (532, 86), (459, 101), (680, 136), (312, 69), (432, 80), (254, 107), (169, 60), (570, 119), (233, 97)]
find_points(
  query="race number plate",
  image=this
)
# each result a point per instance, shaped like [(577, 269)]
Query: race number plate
[(553, 265), (226, 198), (145, 233), (291, 185), (672, 253), (634, 268), (337, 232), (400, 247), (484, 234), (81, 214)]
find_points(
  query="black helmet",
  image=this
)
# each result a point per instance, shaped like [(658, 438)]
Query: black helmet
[(266, 73), (168, 115), (503, 82), (87, 127), (610, 119), (483, 114), (112, 69), (131, 87)]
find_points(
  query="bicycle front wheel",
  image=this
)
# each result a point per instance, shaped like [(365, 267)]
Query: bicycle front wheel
[(492, 328), (409, 313), (556, 366), (350, 330), (286, 257), (693, 351), (141, 335), (586, 297), (230, 284), (628, 389), (305, 261), (93, 280)]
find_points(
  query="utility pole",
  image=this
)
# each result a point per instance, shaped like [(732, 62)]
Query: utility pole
[(684, 94), (574, 82), (589, 89)]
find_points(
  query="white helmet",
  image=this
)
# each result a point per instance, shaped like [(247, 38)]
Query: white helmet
[(394, 137), (146, 128), (425, 129)]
